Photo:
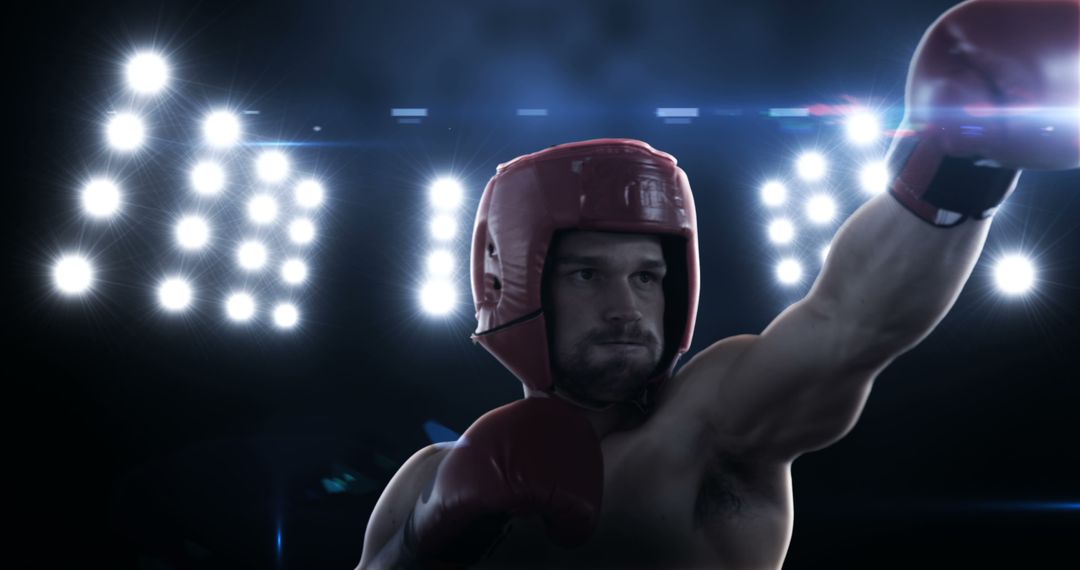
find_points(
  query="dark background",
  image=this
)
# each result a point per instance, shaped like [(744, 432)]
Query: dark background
[(136, 440)]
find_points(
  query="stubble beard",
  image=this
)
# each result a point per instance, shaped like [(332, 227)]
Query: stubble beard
[(603, 379)]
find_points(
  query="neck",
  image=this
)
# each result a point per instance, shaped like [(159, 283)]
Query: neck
[(611, 417)]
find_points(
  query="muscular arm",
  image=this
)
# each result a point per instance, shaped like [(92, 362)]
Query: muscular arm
[(894, 277), (800, 385)]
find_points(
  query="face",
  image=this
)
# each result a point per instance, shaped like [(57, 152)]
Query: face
[(605, 307)]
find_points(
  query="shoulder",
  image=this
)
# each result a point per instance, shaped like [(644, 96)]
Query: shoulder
[(399, 496), (699, 377)]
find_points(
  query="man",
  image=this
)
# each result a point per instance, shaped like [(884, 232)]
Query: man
[(585, 278)]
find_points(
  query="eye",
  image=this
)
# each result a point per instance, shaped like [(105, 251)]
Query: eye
[(585, 274), (649, 277)]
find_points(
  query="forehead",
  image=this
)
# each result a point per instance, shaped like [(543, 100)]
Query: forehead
[(608, 245)]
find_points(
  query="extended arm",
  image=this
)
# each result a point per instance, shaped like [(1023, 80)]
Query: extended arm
[(898, 264)]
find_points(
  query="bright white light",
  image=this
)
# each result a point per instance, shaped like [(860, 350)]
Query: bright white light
[(221, 129), (294, 271), (789, 271), (73, 275), (773, 193), (240, 307), (251, 255), (286, 316), (781, 231), (100, 198), (208, 178), (438, 297), (309, 194), (820, 209), (443, 228), (125, 131), (825, 252), (811, 166), (1014, 274), (192, 232), (174, 294), (147, 73), (874, 177), (272, 166), (863, 127), (446, 194), (301, 231), (440, 263), (262, 209)]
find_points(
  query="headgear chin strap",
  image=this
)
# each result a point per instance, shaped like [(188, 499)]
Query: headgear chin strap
[(607, 185)]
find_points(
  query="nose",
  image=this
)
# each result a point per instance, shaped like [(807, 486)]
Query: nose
[(621, 303)]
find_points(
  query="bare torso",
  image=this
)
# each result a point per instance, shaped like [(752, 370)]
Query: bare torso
[(671, 500)]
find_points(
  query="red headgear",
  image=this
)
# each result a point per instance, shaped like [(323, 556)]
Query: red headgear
[(611, 185)]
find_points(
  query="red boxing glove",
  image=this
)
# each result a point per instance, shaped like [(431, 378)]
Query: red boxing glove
[(536, 456), (994, 87)]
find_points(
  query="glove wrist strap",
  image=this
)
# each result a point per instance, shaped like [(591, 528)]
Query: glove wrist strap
[(945, 190)]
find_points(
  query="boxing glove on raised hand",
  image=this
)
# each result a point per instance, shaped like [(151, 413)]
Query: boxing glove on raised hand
[(993, 87)]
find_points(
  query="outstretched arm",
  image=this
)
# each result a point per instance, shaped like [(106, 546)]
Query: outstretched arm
[(801, 384), (978, 110)]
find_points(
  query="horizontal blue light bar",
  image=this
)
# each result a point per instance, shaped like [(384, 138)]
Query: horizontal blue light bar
[(532, 112), (789, 112), (676, 111), (408, 112)]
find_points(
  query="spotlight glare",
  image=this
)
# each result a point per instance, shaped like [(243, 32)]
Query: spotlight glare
[(221, 129), (251, 255), (773, 193), (174, 294), (438, 297), (286, 316), (262, 209), (192, 232), (208, 178), (294, 271), (1014, 274), (863, 127), (781, 231), (73, 275), (302, 231), (820, 209), (811, 166), (147, 73), (825, 252), (446, 194), (240, 307), (440, 263), (309, 194), (100, 198), (789, 271), (125, 132), (272, 166), (443, 227), (874, 177)]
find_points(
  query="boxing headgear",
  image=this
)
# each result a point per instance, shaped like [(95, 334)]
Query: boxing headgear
[(607, 185)]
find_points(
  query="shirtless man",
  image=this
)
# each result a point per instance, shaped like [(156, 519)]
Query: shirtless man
[(585, 278)]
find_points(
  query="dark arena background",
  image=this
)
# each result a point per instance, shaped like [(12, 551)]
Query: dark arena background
[(149, 425)]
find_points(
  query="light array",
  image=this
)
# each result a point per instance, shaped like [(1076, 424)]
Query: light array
[(224, 173), (438, 293)]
